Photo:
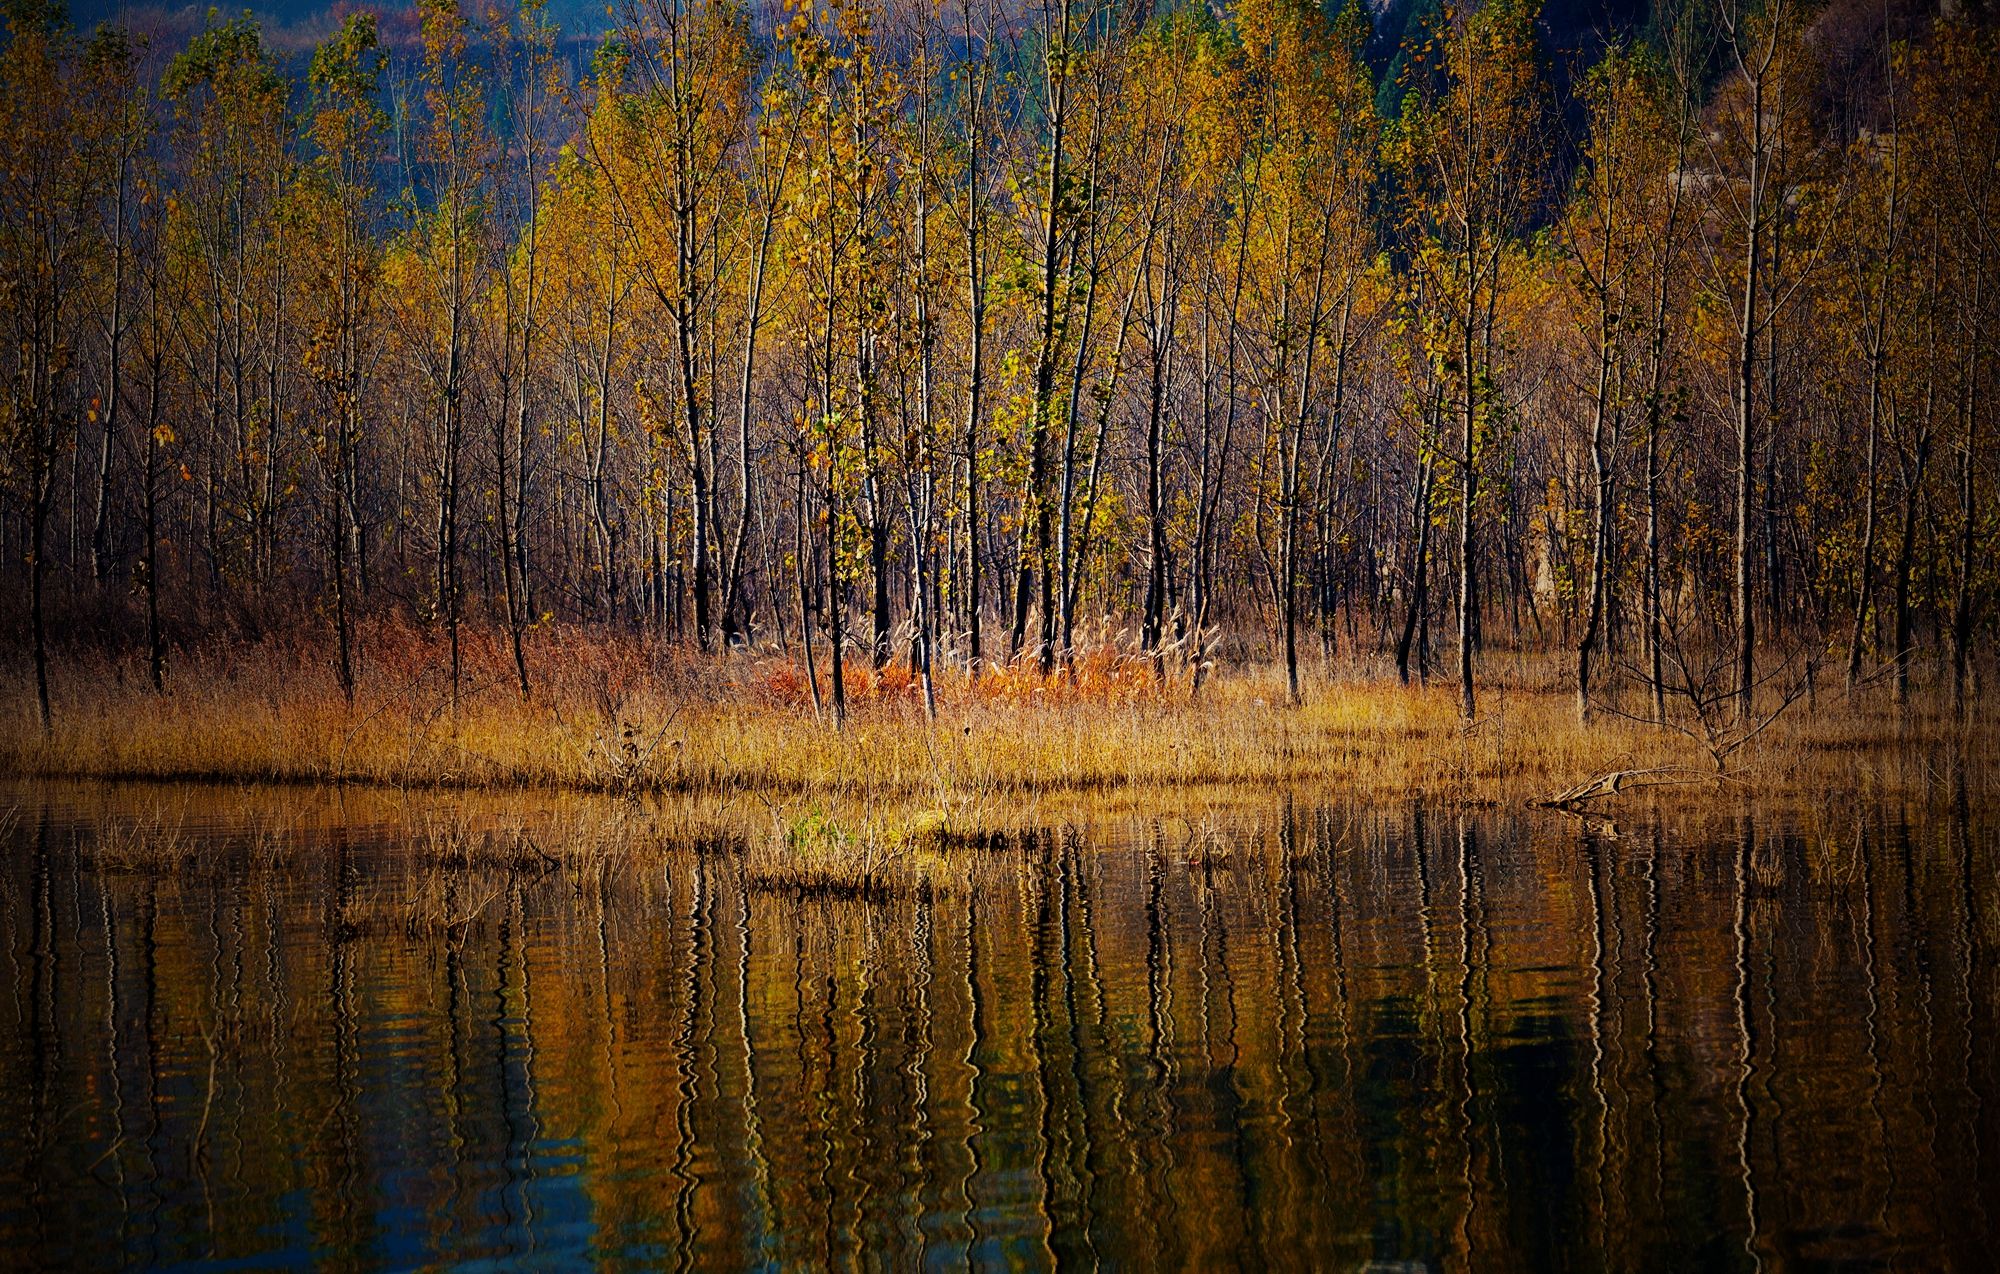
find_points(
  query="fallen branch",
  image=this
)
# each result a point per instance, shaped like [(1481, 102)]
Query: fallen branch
[(1621, 780)]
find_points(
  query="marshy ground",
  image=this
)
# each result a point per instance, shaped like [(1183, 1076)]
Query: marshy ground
[(621, 717)]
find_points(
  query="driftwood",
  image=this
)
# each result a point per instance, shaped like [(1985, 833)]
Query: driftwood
[(1621, 780)]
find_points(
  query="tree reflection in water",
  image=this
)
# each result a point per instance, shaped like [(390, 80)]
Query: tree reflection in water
[(1315, 1035)]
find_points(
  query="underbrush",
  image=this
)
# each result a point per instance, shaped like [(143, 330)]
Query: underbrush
[(625, 715)]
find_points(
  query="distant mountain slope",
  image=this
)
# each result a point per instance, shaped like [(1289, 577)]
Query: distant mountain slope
[(298, 17), (1570, 24), (1574, 32)]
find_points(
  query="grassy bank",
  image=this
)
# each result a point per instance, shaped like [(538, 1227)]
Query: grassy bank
[(610, 716)]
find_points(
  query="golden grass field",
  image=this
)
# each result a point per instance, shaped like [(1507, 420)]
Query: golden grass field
[(624, 716)]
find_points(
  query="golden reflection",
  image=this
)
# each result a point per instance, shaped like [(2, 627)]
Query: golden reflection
[(301, 1027)]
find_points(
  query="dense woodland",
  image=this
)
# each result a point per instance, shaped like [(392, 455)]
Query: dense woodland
[(960, 332)]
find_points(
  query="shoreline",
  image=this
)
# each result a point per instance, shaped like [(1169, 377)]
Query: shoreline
[(734, 727)]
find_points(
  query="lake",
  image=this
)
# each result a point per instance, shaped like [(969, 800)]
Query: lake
[(252, 1029)]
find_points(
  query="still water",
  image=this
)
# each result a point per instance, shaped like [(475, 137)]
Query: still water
[(1300, 1033)]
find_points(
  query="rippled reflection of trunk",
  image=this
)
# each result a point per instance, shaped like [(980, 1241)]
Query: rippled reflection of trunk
[(1746, 1054)]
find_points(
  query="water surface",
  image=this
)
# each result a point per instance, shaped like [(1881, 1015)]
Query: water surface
[(1306, 1033)]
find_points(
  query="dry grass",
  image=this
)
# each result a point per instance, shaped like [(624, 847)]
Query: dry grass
[(620, 717)]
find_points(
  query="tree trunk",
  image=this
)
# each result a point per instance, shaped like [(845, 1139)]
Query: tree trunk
[(156, 651), (1416, 616), (38, 519), (1905, 562), (1468, 493), (1745, 388)]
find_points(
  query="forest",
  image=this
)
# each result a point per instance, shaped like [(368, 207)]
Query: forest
[(1000, 634), (969, 338)]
